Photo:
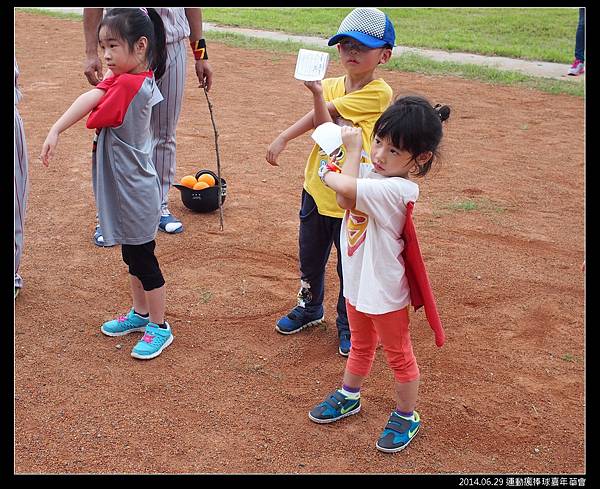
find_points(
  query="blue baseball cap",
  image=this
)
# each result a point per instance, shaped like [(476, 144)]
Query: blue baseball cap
[(367, 25)]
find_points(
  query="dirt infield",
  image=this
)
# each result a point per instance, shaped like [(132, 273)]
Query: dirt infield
[(501, 225)]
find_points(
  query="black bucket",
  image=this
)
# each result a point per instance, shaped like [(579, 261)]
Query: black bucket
[(205, 200)]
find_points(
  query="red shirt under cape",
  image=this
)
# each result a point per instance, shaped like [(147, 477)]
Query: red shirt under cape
[(418, 281)]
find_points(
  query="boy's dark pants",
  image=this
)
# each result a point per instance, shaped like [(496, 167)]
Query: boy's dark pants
[(317, 234)]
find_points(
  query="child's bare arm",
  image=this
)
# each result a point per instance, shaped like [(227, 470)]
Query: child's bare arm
[(280, 142), (352, 139), (82, 106), (345, 188), (321, 111), (306, 123)]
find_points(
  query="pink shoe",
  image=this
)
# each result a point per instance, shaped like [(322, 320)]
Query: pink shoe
[(577, 68)]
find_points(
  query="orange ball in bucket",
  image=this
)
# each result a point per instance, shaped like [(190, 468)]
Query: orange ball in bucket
[(189, 181), (200, 185), (205, 200), (208, 178)]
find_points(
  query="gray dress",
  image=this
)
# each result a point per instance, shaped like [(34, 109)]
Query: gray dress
[(126, 186), (166, 115)]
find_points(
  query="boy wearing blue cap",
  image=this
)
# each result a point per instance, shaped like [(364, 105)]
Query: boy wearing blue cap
[(365, 40)]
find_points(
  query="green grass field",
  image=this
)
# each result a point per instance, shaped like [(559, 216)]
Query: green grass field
[(545, 34)]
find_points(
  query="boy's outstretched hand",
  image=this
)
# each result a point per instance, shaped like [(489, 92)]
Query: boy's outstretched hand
[(314, 86), (352, 138), (276, 147), (49, 147)]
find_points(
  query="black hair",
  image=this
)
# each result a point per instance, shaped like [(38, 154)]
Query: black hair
[(412, 124), (130, 24)]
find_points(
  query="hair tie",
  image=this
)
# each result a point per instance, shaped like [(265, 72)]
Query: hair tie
[(145, 10), (443, 111)]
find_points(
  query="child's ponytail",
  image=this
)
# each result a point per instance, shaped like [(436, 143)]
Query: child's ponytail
[(130, 24), (443, 111), (412, 124), (158, 58)]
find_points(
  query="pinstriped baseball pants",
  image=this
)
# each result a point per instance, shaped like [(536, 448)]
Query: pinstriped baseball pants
[(165, 116), (21, 192)]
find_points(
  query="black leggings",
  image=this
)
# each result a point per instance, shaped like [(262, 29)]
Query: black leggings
[(143, 264)]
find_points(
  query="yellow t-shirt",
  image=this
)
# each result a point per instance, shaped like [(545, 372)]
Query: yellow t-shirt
[(363, 107)]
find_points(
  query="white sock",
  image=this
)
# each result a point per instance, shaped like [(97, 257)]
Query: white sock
[(403, 415), (172, 226), (350, 395)]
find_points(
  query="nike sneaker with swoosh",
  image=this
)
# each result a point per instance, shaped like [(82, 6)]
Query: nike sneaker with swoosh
[(398, 433), (335, 406)]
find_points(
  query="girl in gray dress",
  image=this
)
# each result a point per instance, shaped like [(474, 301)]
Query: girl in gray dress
[(126, 186)]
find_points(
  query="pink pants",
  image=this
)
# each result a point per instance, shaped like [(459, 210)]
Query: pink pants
[(392, 329)]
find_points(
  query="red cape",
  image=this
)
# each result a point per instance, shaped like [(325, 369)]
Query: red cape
[(418, 281)]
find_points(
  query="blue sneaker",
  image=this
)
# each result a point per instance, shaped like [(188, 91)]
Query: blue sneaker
[(154, 341), (335, 406), (398, 433), (298, 319), (345, 344), (124, 324), (170, 224), (99, 238)]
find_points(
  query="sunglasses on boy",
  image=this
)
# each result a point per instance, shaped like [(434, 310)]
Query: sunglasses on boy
[(348, 44)]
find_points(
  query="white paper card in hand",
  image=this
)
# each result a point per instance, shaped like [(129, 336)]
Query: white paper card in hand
[(328, 136), (311, 65)]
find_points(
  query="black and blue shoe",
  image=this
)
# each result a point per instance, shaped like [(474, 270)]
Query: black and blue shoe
[(298, 319), (99, 238), (398, 433), (170, 224), (345, 344), (335, 406)]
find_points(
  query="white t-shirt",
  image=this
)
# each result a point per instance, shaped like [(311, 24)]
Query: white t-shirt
[(371, 242)]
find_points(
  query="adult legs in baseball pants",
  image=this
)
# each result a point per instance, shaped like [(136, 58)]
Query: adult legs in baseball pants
[(165, 116), (21, 194)]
